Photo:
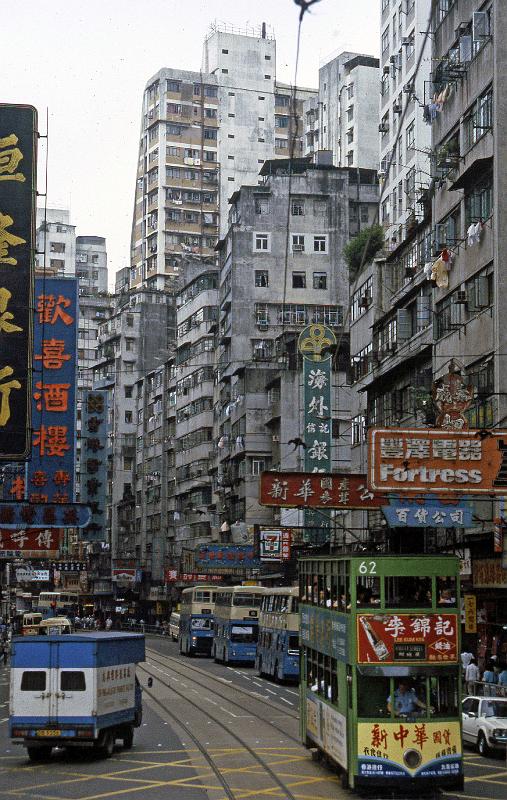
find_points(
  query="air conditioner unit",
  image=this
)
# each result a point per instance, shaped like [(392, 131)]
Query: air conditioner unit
[(365, 300), (298, 248), (383, 128), (189, 161), (408, 88), (393, 59), (275, 438), (406, 40), (460, 297), (386, 69), (397, 109), (197, 162)]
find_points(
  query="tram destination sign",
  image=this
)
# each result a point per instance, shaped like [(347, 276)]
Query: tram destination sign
[(394, 638), (317, 490), (419, 460)]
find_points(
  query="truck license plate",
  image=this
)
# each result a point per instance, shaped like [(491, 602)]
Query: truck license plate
[(49, 733)]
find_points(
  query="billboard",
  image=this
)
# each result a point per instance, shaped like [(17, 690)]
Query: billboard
[(225, 558), (94, 462), (421, 512), (407, 638), (31, 542), (431, 460), (274, 545), (48, 515), (18, 187), (316, 490), (51, 470)]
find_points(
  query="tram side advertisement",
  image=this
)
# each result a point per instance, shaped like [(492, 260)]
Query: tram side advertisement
[(406, 749), (328, 728), (407, 638)]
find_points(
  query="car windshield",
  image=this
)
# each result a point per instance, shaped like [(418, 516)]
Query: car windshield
[(495, 708)]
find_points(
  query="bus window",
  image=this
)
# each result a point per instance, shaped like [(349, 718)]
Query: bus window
[(372, 694), (248, 600), (408, 592), (201, 624), (367, 591), (446, 591), (444, 696), (293, 648)]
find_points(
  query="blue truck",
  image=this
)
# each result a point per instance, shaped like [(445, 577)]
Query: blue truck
[(78, 690)]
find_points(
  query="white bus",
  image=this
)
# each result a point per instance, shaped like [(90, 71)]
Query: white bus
[(196, 620), (278, 644), (53, 603)]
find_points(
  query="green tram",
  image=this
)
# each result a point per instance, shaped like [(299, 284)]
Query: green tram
[(380, 669)]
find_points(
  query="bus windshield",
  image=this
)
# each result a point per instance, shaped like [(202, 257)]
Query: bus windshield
[(244, 633), (201, 624)]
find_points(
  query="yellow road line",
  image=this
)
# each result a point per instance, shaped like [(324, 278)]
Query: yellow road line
[(487, 777)]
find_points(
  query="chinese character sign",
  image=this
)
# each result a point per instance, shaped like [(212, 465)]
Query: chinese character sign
[(309, 490), (94, 462), (381, 749), (274, 545), (226, 557), (18, 132), (440, 461), (428, 511), (401, 638), (51, 470), (30, 541)]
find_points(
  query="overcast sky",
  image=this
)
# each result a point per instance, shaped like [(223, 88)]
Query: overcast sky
[(87, 61)]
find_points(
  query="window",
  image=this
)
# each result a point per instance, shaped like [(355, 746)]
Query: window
[(281, 122), (364, 213), (72, 681), (211, 91), (298, 208), (128, 391), (33, 681), (282, 144), (320, 244), (350, 90), (173, 86), (410, 136), (128, 417), (57, 247), (225, 71), (261, 205), (129, 344), (358, 432), (225, 51), (261, 278), (479, 202), (299, 280), (320, 280), (210, 133), (385, 40), (298, 243), (479, 120), (258, 466), (261, 242)]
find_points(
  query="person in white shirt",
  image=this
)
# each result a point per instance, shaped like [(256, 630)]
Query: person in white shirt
[(472, 674)]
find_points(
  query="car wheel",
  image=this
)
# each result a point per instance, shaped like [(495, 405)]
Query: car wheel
[(482, 745)]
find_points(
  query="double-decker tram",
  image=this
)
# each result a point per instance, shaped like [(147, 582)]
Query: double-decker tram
[(196, 620), (380, 673), (278, 643), (236, 623)]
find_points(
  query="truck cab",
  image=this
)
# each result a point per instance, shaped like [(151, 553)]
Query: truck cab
[(75, 690)]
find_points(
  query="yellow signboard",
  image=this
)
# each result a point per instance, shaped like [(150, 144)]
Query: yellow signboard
[(470, 605), (411, 748)]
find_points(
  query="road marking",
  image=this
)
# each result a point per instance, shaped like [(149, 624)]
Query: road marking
[(286, 701)]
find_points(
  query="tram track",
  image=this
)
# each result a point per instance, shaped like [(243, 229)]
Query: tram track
[(271, 705), (216, 769)]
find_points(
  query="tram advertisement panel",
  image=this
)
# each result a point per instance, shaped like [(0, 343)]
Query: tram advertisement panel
[(327, 727), (404, 749), (407, 638), (322, 629)]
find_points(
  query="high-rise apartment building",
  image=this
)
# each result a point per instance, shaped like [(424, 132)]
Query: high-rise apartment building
[(342, 117), (203, 135), (91, 263), (56, 242), (403, 93)]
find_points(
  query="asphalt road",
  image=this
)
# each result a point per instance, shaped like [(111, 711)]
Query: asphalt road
[(165, 764)]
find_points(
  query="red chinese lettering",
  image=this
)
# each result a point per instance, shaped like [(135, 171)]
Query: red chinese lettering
[(401, 734), (53, 354), (61, 477), (18, 488), (420, 735), (447, 736), (54, 396), (39, 478), (51, 440), (378, 736), (51, 309)]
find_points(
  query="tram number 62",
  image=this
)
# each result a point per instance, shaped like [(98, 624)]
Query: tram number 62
[(367, 568)]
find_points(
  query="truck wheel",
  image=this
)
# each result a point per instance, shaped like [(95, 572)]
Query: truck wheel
[(128, 738), (106, 744), (38, 753)]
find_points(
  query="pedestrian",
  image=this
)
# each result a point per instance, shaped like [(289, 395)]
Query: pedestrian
[(109, 624), (472, 674), (490, 679), (5, 651), (466, 658)]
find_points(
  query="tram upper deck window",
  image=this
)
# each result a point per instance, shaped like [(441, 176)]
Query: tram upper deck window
[(248, 600), (367, 591), (446, 591), (202, 596), (408, 592)]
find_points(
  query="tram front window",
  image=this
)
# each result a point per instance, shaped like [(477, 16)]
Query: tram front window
[(444, 696), (372, 691), (408, 592)]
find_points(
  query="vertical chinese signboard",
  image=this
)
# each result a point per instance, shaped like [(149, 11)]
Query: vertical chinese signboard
[(51, 471), (316, 344), (94, 463), (18, 127)]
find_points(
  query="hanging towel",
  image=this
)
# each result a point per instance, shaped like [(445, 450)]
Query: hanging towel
[(439, 274)]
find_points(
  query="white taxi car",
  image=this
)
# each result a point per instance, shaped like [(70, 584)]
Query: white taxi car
[(485, 723)]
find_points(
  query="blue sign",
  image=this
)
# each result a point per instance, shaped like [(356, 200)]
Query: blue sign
[(427, 512), (44, 515), (94, 462), (223, 558), (51, 470)]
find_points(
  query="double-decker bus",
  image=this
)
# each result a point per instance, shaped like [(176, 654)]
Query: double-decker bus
[(236, 623), (53, 604), (196, 620), (380, 671), (278, 643)]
